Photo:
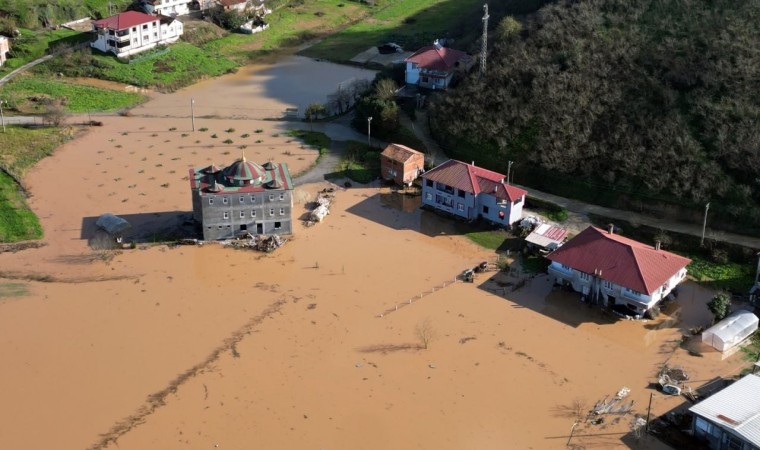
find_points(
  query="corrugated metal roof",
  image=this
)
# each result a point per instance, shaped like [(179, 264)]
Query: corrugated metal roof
[(623, 261), (547, 236), (736, 408), (125, 20), (435, 57), (400, 153), (473, 179)]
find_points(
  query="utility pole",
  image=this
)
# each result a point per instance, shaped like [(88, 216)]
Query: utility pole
[(572, 431), (484, 42), (369, 139), (649, 410), (2, 117), (192, 112), (704, 225), (509, 169)]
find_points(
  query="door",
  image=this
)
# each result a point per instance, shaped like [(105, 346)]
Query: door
[(259, 228)]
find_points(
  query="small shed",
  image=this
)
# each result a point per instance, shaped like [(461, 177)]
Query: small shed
[(547, 237), (115, 226), (731, 331), (401, 164)]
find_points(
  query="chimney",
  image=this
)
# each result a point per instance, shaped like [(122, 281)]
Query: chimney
[(657, 245), (473, 163), (611, 228)]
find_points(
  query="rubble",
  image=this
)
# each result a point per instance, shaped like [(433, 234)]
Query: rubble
[(322, 209), (262, 243)]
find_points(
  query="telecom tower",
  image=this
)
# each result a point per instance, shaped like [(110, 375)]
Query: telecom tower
[(484, 47)]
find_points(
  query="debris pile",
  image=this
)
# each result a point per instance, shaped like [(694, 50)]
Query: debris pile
[(322, 209), (616, 405), (262, 243)]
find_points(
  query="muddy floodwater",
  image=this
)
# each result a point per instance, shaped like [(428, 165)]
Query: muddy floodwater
[(316, 345)]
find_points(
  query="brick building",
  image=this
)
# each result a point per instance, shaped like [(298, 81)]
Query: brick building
[(243, 197), (401, 164)]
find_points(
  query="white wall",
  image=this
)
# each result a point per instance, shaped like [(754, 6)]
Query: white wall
[(412, 73)]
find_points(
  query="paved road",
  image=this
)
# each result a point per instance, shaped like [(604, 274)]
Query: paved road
[(8, 77)]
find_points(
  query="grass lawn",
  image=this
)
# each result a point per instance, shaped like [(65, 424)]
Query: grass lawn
[(361, 162), (410, 23), (730, 276), (182, 66), (76, 98), (20, 149), (35, 44), (289, 27)]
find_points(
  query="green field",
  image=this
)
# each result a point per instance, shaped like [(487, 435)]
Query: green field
[(76, 98), (20, 149), (35, 44), (410, 23)]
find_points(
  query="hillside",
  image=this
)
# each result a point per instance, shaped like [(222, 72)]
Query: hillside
[(652, 105), (34, 13)]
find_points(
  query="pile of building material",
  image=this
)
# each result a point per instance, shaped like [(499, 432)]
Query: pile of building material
[(261, 243), (616, 405), (322, 209)]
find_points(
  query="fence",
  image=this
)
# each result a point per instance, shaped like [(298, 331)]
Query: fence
[(423, 294), (149, 56)]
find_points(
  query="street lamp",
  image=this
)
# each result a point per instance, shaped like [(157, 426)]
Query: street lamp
[(509, 169), (2, 117), (704, 225), (369, 128)]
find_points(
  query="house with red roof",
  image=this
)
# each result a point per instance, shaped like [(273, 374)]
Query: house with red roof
[(434, 66), (401, 164), (241, 198), (133, 32), (5, 48), (613, 270), (472, 192)]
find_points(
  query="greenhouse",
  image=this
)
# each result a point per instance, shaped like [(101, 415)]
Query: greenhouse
[(731, 331)]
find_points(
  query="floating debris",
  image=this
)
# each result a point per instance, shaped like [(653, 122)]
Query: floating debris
[(262, 243), (323, 202)]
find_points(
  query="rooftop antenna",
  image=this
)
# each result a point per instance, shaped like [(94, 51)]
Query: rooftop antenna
[(484, 46)]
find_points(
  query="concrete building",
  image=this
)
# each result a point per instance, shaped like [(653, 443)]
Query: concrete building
[(243, 197), (5, 48), (172, 8), (401, 164), (434, 66), (613, 270), (730, 419), (133, 32), (472, 192)]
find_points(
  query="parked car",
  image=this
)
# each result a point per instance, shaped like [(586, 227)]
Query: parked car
[(389, 48)]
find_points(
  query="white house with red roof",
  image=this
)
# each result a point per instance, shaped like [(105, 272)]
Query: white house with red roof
[(133, 32), (611, 269), (434, 66), (468, 191), (5, 48)]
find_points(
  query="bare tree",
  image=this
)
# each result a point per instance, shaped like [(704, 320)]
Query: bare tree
[(425, 332), (580, 408), (55, 113), (339, 100), (359, 87), (314, 111)]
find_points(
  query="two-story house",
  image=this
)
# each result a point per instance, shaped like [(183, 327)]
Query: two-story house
[(172, 8), (730, 418), (5, 48), (610, 269), (243, 197), (471, 192), (133, 32), (434, 66), (401, 164)]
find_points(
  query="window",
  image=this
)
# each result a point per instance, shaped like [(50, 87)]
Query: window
[(460, 193), (155, 35), (134, 29), (211, 200), (282, 211), (145, 27), (585, 276), (242, 214), (445, 188), (224, 200), (485, 210), (253, 199), (277, 225), (253, 213), (424, 79), (146, 37), (134, 41), (429, 196), (226, 215), (429, 183), (271, 211), (242, 199), (282, 196), (271, 197), (518, 201), (460, 207), (607, 285)]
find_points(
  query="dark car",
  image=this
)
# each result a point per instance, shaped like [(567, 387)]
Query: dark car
[(389, 48)]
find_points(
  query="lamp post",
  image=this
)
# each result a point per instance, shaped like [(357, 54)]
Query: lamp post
[(369, 129), (704, 225), (509, 169), (192, 112), (2, 117)]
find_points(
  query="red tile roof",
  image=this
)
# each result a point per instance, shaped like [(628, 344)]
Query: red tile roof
[(400, 153), (434, 57), (474, 179), (125, 20), (623, 261)]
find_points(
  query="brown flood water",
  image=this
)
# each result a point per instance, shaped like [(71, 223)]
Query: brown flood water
[(199, 347)]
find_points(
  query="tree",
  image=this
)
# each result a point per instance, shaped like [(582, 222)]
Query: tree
[(231, 20), (425, 332), (314, 111), (719, 306), (508, 28), (359, 87), (385, 89), (340, 100), (55, 113)]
